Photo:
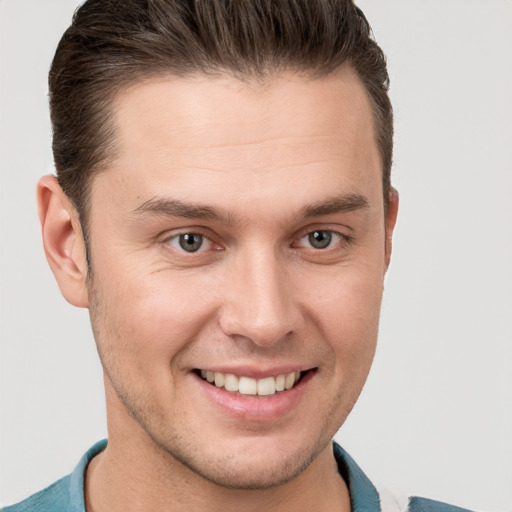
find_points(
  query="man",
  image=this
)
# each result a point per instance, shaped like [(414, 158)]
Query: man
[(223, 208)]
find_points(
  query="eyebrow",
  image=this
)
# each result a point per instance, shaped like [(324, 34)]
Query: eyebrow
[(341, 204), (175, 208)]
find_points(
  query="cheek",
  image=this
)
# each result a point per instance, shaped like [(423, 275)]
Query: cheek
[(149, 318), (348, 313)]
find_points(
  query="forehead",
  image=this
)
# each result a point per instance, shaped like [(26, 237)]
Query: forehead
[(196, 135)]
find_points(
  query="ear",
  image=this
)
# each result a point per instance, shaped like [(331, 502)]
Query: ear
[(390, 223), (63, 241)]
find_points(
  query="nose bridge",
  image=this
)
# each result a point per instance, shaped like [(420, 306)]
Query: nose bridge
[(261, 305)]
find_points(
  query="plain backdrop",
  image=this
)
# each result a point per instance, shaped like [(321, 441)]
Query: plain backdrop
[(435, 418)]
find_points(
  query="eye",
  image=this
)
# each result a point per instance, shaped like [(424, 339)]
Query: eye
[(321, 239), (190, 242)]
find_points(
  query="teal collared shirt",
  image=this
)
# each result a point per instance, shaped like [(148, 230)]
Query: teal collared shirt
[(64, 495), (67, 494)]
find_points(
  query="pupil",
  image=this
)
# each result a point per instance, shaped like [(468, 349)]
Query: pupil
[(190, 242), (320, 239)]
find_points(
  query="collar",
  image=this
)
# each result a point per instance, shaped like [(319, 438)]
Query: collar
[(363, 495)]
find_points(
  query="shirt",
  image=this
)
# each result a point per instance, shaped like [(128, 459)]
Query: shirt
[(67, 494)]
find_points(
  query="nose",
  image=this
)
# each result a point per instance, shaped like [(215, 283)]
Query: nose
[(260, 301)]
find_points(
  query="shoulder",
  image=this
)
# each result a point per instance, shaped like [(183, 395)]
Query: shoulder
[(65, 495), (366, 497), (390, 502), (426, 505), (54, 498)]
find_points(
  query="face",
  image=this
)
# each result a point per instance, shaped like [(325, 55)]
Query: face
[(238, 250)]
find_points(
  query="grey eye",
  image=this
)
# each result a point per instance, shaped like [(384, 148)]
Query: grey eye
[(190, 242), (320, 239)]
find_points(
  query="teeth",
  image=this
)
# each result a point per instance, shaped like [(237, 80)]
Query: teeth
[(249, 386), (289, 381), (231, 382), (219, 379), (280, 380), (267, 386)]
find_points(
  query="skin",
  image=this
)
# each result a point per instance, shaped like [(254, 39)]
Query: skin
[(256, 297)]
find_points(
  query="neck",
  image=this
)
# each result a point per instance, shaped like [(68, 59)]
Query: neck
[(126, 477), (135, 473)]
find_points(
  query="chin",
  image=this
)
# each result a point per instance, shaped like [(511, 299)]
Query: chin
[(240, 472), (256, 464)]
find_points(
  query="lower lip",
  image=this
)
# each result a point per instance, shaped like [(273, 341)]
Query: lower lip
[(256, 408)]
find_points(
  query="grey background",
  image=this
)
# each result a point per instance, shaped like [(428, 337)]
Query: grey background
[(436, 415)]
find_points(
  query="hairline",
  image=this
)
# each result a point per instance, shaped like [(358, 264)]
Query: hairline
[(259, 78)]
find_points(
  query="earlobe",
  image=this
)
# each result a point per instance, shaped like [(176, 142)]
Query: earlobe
[(390, 223), (63, 241)]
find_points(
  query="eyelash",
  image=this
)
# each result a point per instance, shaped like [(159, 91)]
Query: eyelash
[(335, 238), (175, 241)]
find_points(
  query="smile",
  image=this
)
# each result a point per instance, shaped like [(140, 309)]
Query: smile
[(242, 385)]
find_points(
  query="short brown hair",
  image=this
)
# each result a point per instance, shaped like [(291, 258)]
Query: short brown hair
[(112, 43)]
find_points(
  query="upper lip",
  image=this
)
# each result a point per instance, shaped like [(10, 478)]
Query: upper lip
[(257, 373)]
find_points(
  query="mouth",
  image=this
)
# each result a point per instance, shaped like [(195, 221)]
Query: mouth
[(247, 386)]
